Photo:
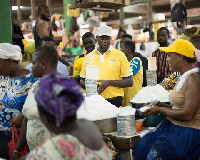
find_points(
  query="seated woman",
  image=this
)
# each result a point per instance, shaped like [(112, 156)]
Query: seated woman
[(58, 99), (15, 83), (178, 137)]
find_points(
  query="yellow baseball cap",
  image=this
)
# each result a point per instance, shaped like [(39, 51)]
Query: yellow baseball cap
[(181, 46)]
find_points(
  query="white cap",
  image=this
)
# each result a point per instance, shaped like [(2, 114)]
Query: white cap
[(104, 31)]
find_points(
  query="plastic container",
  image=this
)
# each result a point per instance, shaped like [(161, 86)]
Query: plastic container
[(90, 87), (138, 124), (151, 120), (126, 125)]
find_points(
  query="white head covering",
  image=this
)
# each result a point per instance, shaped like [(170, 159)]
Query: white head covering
[(9, 51), (104, 31)]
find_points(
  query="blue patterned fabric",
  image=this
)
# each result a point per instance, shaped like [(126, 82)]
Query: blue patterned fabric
[(13, 93), (169, 142)]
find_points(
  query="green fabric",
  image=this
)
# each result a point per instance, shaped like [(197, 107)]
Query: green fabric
[(76, 51), (5, 23)]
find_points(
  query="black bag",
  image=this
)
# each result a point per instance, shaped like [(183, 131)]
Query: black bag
[(178, 12), (145, 67)]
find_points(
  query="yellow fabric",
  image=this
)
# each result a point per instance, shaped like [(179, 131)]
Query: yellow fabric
[(73, 12), (113, 65), (183, 36), (29, 50), (180, 46), (78, 62), (25, 42), (57, 17), (130, 92)]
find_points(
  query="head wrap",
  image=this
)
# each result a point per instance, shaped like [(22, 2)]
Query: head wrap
[(9, 51), (49, 98)]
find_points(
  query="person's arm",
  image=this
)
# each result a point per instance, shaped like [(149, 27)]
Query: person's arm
[(82, 82), (161, 104), (17, 120), (125, 82), (21, 142), (190, 31), (66, 45), (191, 105), (43, 29)]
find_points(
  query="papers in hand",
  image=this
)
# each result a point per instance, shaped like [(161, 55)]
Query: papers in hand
[(151, 104)]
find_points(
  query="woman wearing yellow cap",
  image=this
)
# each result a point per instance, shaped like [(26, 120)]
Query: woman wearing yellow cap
[(178, 137)]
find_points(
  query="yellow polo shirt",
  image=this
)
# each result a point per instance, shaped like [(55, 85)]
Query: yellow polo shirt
[(78, 62), (130, 92), (113, 65)]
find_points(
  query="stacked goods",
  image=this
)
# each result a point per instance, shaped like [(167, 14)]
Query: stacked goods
[(149, 93), (97, 108), (101, 112)]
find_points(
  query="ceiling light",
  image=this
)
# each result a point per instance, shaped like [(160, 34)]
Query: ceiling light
[(140, 17), (15, 7)]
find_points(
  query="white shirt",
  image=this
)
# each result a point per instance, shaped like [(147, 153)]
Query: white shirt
[(60, 67)]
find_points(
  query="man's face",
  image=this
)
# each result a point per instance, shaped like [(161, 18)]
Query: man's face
[(104, 42), (46, 15), (124, 49), (162, 37), (89, 44)]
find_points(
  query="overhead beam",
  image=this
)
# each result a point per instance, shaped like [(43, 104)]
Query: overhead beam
[(133, 2), (115, 16), (166, 8)]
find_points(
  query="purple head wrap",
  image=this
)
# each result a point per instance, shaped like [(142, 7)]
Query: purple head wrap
[(49, 96)]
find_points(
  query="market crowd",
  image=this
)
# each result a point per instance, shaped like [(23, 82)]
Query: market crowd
[(42, 100)]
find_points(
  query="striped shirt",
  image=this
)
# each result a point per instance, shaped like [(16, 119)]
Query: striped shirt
[(163, 69)]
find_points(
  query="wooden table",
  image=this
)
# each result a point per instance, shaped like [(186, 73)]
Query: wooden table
[(123, 142)]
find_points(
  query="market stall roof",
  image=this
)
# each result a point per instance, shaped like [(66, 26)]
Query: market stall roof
[(135, 14)]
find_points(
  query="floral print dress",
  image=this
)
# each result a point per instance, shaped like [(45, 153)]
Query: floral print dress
[(67, 147)]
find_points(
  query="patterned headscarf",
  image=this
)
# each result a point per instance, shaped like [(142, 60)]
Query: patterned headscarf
[(49, 96), (9, 51)]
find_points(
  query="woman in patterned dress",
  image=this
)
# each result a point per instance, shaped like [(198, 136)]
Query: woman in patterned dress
[(15, 82)]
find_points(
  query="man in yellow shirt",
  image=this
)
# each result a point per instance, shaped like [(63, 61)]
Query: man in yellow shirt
[(128, 48), (89, 43), (114, 69)]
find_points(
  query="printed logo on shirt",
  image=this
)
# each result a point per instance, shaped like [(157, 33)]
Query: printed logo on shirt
[(111, 60)]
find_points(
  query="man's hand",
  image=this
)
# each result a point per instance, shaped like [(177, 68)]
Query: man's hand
[(17, 121), (103, 86)]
